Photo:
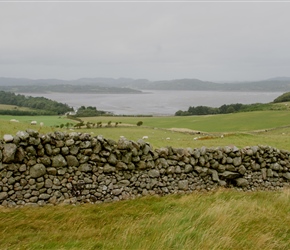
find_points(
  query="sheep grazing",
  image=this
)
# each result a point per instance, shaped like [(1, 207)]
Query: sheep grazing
[(33, 123), (145, 137), (14, 120)]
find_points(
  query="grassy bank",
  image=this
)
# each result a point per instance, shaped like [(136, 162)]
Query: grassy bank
[(220, 220)]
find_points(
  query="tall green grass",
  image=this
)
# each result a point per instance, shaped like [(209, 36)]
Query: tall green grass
[(219, 220)]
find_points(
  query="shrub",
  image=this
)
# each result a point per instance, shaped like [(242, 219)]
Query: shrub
[(283, 98), (139, 123)]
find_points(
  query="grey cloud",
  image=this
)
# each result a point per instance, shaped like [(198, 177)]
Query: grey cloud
[(210, 41)]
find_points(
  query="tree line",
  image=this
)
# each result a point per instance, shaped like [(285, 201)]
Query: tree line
[(41, 105), (224, 109), (89, 112)]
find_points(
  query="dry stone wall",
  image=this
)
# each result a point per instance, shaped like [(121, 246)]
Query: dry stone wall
[(75, 168)]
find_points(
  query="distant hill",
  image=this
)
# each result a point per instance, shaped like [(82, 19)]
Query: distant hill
[(272, 85), (129, 85), (21, 85)]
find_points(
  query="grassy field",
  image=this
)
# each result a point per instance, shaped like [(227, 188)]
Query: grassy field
[(220, 220), (236, 122), (241, 129), (13, 107), (225, 219)]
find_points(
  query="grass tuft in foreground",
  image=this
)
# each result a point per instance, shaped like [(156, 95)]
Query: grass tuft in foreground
[(219, 220)]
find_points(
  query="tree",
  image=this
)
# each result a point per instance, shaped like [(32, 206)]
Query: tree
[(139, 123)]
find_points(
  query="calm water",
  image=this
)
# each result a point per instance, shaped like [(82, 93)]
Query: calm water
[(159, 102)]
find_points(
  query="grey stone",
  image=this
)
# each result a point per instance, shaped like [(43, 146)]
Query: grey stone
[(154, 173), (163, 152), (229, 175), (53, 200), (123, 143), (39, 185), (109, 169), (45, 160), (146, 149), (237, 161), (183, 185), (117, 191), (142, 165), (222, 183), (214, 175), (9, 151), (112, 159), (264, 173), (85, 144), (188, 168), (241, 182), (287, 175), (221, 168), (229, 160), (51, 171), (8, 138), (269, 172), (256, 166), (11, 181), (121, 165), (231, 168), (124, 183), (275, 166), (170, 170), (65, 150), (48, 183), (3, 195), (127, 157), (177, 169), (69, 142), (48, 149), (74, 150), (201, 161), (85, 167), (23, 135), (44, 196), (72, 161), (37, 170), (242, 169), (58, 161), (61, 171)]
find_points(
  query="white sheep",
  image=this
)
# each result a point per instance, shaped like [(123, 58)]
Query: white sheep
[(14, 120)]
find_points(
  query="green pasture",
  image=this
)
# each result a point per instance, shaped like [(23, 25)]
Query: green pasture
[(236, 122), (13, 107), (50, 122), (242, 129), (47, 120), (279, 138)]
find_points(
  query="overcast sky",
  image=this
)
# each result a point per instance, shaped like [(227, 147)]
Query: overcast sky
[(215, 41)]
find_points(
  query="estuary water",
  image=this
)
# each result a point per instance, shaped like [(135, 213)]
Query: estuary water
[(158, 102)]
